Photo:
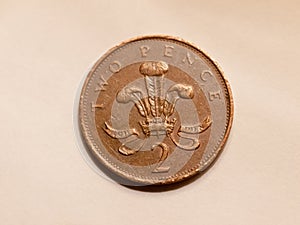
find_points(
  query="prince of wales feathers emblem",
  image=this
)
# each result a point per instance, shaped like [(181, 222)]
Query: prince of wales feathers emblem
[(157, 111)]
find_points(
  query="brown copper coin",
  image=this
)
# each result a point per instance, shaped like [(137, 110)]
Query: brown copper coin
[(155, 110)]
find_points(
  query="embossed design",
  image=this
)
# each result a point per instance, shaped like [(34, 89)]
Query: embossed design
[(157, 109), (188, 58), (205, 74), (96, 106), (214, 95), (138, 167), (144, 50), (101, 86), (115, 67), (168, 50)]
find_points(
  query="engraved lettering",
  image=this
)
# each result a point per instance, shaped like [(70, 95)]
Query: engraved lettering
[(205, 74), (214, 95), (101, 85), (144, 50), (115, 66), (168, 50), (188, 58)]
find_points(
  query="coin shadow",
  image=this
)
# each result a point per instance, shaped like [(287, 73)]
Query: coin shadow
[(149, 188), (104, 172), (164, 187), (138, 186), (180, 184), (98, 166)]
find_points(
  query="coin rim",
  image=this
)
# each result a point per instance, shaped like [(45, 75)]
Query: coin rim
[(130, 177)]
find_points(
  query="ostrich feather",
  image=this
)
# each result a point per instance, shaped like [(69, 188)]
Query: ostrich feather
[(135, 95), (141, 108), (154, 87)]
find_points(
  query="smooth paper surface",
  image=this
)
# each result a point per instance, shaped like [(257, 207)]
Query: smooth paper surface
[(46, 48)]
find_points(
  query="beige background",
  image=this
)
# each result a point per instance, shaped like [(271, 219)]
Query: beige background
[(46, 48)]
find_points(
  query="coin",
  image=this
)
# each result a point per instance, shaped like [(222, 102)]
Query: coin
[(155, 110)]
